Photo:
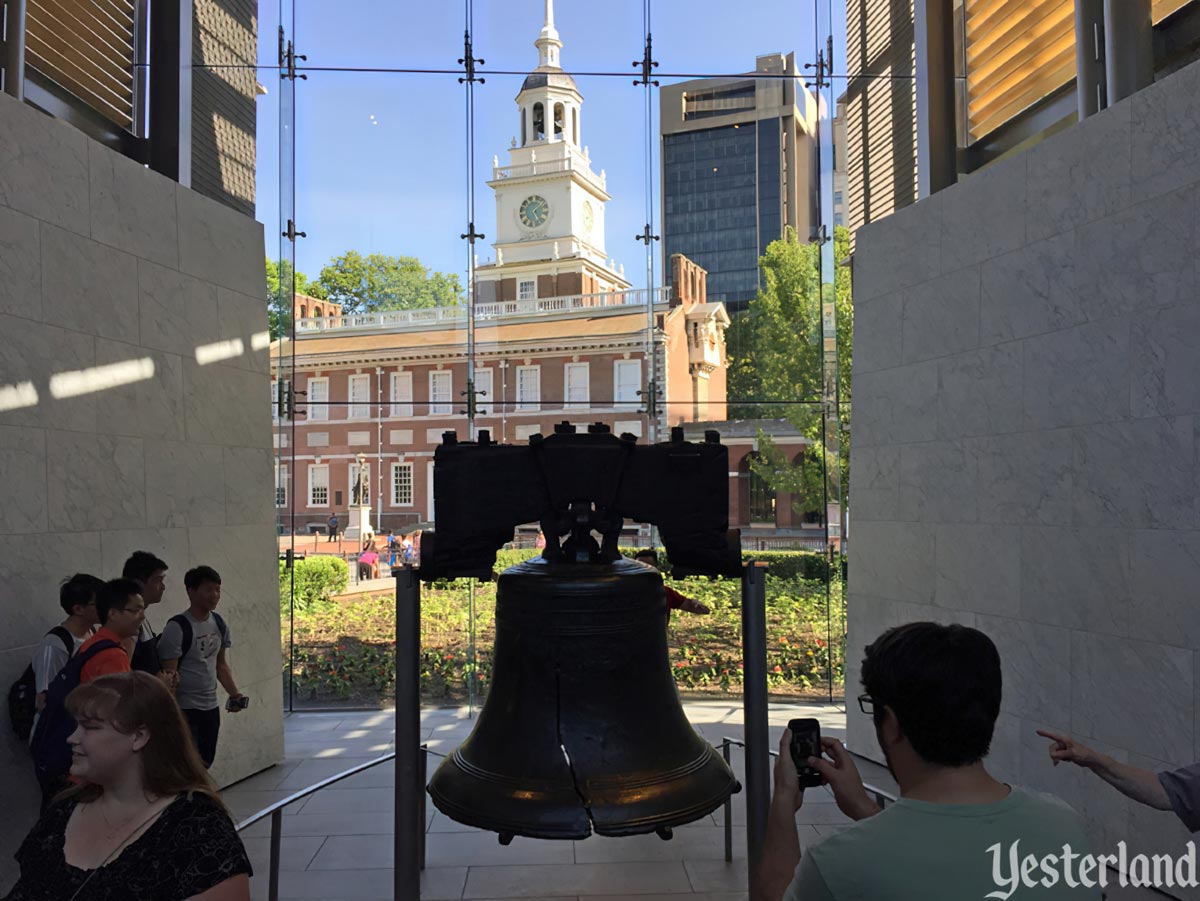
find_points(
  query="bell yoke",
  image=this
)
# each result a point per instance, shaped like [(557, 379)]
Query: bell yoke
[(582, 730)]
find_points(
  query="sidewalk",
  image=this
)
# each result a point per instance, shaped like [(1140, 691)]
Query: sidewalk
[(337, 844)]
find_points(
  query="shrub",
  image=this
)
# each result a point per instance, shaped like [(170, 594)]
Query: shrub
[(313, 581)]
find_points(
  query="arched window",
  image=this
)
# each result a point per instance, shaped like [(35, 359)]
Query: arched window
[(762, 499), (317, 312), (539, 122), (523, 117), (303, 311), (575, 126), (558, 121)]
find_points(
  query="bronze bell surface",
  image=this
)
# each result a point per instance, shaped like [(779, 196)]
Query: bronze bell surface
[(582, 730)]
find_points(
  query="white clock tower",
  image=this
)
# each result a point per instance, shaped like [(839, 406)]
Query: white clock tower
[(549, 202)]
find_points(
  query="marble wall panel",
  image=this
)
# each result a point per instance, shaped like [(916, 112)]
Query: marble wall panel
[(1036, 662), (876, 482), (185, 484), (95, 482), (1129, 262), (1164, 576), (31, 571), (984, 216), (243, 318), (30, 353), (878, 328), (88, 286), (1030, 291), (941, 316), (896, 406), (1055, 392), (1165, 362), (149, 407), (247, 471), (23, 464), (219, 244), (1077, 577), (177, 312), (1003, 760), (132, 207), (43, 166), (222, 405), (938, 482), (1137, 695), (1140, 474), (978, 568), (901, 251), (1025, 479), (980, 392), (1164, 124), (20, 265), (1081, 174), (901, 565)]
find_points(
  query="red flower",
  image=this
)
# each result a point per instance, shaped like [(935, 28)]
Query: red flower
[(778, 669), (820, 642), (679, 665)]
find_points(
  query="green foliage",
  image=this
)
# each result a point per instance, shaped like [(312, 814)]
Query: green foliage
[(282, 282), (777, 354), (313, 582), (378, 281)]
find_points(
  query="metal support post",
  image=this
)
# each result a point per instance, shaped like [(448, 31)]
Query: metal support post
[(728, 808), (276, 838), (1128, 47), (754, 694), (937, 147), (12, 62), (171, 100), (410, 787), (1091, 87), (424, 773)]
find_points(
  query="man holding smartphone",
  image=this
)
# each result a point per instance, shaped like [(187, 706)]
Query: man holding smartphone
[(194, 644)]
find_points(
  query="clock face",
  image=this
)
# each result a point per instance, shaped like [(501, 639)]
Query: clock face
[(534, 211), (589, 218)]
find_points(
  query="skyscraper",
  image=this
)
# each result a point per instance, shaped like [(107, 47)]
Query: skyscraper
[(738, 165)]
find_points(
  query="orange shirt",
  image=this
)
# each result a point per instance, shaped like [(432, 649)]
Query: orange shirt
[(114, 660)]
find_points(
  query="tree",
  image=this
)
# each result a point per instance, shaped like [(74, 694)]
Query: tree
[(280, 285), (777, 354), (377, 281)]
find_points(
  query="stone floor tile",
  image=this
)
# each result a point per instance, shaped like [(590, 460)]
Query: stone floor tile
[(576, 879), (687, 844), (295, 852), (350, 800), (717, 875), (445, 849), (444, 884)]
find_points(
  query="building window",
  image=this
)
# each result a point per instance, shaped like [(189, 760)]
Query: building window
[(402, 394), (441, 386), (360, 397), (576, 385), (627, 382), (525, 432), (318, 485), (274, 400), (527, 290), (529, 387), (352, 480), (539, 122), (318, 400), (762, 499), (281, 486), (402, 484), (485, 398)]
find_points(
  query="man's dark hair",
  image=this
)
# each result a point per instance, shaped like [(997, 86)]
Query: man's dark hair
[(194, 578), (78, 591), (115, 595), (647, 552), (943, 684), (141, 565)]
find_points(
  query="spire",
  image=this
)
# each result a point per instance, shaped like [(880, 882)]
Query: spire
[(548, 42)]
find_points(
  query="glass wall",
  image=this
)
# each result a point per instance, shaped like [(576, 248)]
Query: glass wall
[(519, 228)]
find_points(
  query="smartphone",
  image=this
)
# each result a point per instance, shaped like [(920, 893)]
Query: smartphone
[(806, 743), (237, 703)]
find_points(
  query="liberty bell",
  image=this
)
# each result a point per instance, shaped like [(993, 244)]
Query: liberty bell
[(583, 730)]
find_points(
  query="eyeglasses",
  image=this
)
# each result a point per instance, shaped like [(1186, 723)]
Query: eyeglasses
[(866, 704), (134, 610)]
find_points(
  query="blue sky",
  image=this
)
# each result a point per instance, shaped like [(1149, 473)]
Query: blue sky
[(380, 156)]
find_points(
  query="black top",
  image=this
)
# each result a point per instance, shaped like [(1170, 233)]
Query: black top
[(189, 849)]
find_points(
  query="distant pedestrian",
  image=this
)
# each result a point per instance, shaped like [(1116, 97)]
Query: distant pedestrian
[(407, 546), (368, 562), (194, 644), (333, 526), (391, 546)]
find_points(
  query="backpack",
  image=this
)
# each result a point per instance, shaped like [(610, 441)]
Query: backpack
[(22, 694), (145, 654), (185, 626), (51, 753)]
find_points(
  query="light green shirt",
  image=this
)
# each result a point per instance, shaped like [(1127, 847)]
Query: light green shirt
[(919, 851)]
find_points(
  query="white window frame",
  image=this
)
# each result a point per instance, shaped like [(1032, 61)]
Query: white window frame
[(352, 477), (485, 380), (576, 383), (396, 500), (441, 407), (281, 484), (274, 400), (313, 470), (401, 394), (318, 407), (531, 294), (358, 407), (525, 403), (631, 402)]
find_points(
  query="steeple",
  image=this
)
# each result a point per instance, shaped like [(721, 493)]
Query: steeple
[(548, 42)]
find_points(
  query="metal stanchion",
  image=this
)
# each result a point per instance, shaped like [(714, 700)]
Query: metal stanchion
[(424, 780), (410, 787), (754, 694), (728, 808), (276, 838)]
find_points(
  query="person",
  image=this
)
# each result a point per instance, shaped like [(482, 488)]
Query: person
[(368, 561), (77, 597), (1175, 790), (933, 692), (144, 821), (150, 573), (391, 546), (675, 600), (194, 644), (333, 526), (121, 610), (407, 547)]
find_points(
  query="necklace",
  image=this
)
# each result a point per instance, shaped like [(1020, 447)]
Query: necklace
[(113, 831)]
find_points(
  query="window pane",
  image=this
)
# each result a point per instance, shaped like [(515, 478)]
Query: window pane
[(529, 387), (360, 397), (401, 394), (441, 384), (318, 485), (318, 399), (402, 484)]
